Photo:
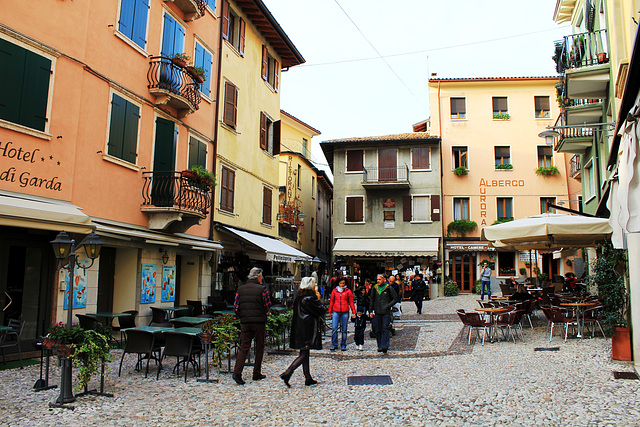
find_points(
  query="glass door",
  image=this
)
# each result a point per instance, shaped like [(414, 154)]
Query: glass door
[(463, 270)]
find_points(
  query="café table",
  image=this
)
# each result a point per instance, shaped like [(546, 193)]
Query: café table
[(154, 329), (223, 312), (492, 311), (5, 328), (579, 307), (108, 316), (172, 310), (190, 320)]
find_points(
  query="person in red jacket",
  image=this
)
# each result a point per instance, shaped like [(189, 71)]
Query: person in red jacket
[(341, 302)]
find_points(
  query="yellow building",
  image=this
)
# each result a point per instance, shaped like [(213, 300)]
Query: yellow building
[(494, 167), (254, 51)]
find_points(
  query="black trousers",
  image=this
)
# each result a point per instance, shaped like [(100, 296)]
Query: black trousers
[(248, 332), (302, 359), (418, 301), (358, 336)]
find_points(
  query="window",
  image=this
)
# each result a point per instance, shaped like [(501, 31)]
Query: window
[(459, 156), (355, 160), (270, 68), (133, 20), (123, 129), (590, 183), (461, 208), (203, 59), (305, 144), (230, 114), (500, 107), (544, 204), (503, 156), (313, 187), (421, 208), (233, 28), (541, 105), (299, 176), (267, 196), (269, 134), (24, 86), (172, 37), (504, 207), (227, 189), (421, 158), (355, 209), (318, 240), (458, 108), (545, 156), (197, 153), (506, 264)]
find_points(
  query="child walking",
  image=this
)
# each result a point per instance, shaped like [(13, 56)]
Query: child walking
[(360, 325)]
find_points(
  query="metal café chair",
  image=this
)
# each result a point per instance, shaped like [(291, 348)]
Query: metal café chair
[(125, 322), (158, 316), (142, 343), (184, 349), (12, 338)]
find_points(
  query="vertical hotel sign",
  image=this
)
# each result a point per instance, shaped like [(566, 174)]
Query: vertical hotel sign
[(497, 183)]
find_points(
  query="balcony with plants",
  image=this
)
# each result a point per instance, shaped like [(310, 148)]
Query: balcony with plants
[(386, 178), (177, 200), (192, 9), (175, 83)]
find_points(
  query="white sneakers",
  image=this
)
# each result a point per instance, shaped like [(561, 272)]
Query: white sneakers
[(360, 347)]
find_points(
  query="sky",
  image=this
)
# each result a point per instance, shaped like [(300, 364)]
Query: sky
[(368, 62)]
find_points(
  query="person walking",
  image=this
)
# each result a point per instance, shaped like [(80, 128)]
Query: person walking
[(381, 299), (485, 281), (360, 324), (418, 288), (339, 305), (251, 304), (305, 329)]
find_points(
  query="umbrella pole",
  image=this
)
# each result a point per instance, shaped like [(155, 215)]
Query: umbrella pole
[(530, 267)]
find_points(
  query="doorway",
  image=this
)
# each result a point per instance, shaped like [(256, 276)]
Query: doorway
[(105, 280), (463, 270)]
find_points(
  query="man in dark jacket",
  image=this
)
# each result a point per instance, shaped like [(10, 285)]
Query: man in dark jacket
[(419, 287), (252, 304), (381, 299)]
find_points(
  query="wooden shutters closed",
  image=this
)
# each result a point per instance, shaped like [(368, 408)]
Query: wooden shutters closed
[(263, 131), (355, 160), (230, 114), (387, 164), (435, 208), (355, 209), (267, 195)]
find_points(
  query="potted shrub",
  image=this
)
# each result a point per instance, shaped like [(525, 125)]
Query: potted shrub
[(609, 269), (223, 332), (203, 178), (461, 226), (549, 171), (180, 59), (460, 171), (199, 74), (501, 116), (278, 323), (62, 339), (523, 271), (450, 288)]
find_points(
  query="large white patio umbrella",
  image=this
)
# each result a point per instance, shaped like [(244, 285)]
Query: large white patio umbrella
[(549, 231)]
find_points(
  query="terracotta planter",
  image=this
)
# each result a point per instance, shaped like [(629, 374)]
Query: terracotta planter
[(602, 58), (206, 337), (621, 344), (189, 174), (65, 350), (179, 62)]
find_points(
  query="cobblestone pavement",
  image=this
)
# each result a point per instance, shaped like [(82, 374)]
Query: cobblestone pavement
[(437, 380)]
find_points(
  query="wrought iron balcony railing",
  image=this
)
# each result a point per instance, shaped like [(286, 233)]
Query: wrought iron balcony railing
[(581, 50), (173, 85), (172, 191), (386, 175), (575, 167)]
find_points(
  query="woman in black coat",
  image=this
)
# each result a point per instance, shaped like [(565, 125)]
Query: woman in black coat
[(305, 328)]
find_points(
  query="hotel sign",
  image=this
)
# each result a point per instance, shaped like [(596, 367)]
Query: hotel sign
[(469, 248)]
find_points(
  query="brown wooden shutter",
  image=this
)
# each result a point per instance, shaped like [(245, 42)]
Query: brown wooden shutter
[(351, 209), (266, 205), (359, 209), (225, 20), (276, 75), (420, 158), (241, 44), (406, 208), (276, 137), (265, 62), (354, 160), (230, 196), (435, 208), (263, 131), (230, 108)]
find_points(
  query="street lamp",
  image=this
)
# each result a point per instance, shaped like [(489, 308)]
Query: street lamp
[(65, 249), (549, 135)]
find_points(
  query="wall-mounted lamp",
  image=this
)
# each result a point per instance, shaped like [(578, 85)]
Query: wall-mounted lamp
[(165, 256), (549, 135)]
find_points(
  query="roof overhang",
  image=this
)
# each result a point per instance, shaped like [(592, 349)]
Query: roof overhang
[(275, 250)]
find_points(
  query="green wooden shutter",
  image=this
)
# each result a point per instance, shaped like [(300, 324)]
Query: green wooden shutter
[(116, 127), (35, 92), (12, 58), (130, 134)]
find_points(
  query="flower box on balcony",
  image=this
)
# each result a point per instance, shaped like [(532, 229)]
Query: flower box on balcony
[(550, 171), (504, 116), (460, 171), (504, 167)]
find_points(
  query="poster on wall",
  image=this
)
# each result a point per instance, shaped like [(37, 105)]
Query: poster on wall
[(168, 283), (148, 286), (79, 286)]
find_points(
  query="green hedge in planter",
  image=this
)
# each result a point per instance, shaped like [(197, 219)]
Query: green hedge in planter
[(504, 167), (501, 220), (450, 289), (477, 287), (461, 170), (550, 171), (461, 226)]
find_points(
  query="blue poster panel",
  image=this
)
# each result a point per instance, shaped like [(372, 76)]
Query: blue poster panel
[(148, 286), (79, 286), (169, 283)]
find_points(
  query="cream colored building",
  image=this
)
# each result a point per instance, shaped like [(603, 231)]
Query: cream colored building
[(490, 126)]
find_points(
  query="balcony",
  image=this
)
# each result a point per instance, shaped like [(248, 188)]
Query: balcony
[(173, 85), (583, 59), (386, 178), (575, 167), (572, 140), (192, 9), (173, 202), (584, 111)]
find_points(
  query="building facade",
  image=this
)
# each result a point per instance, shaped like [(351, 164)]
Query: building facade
[(96, 127), (386, 204), (496, 168)]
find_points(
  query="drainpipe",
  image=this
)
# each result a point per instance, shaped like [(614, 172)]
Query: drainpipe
[(215, 132), (442, 260)]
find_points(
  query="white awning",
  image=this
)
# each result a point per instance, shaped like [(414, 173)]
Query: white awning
[(16, 211), (276, 250), (381, 247), (155, 238)]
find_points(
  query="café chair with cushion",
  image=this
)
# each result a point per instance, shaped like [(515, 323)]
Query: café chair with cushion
[(11, 338), (476, 322), (142, 343), (183, 348), (558, 315), (593, 315)]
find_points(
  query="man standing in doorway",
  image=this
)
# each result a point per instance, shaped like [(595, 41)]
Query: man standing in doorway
[(485, 281), (252, 304), (381, 299)]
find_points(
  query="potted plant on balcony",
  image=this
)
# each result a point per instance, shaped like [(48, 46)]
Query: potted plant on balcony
[(461, 226), (547, 171), (203, 178), (180, 59), (461, 171), (501, 116), (199, 74)]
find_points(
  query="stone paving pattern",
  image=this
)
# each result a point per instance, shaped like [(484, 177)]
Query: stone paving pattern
[(437, 379)]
